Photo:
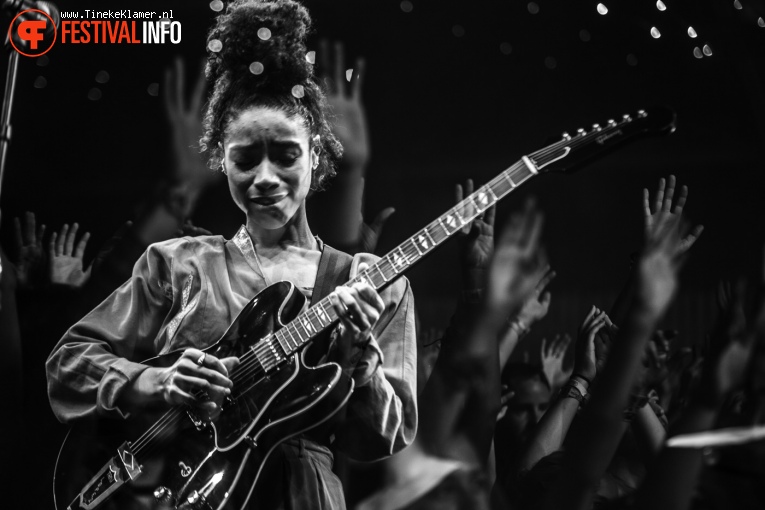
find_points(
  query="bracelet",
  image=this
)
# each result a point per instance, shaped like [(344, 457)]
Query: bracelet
[(580, 376), (519, 327), (571, 391), (579, 386), (635, 403)]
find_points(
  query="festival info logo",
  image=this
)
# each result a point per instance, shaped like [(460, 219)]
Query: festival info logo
[(32, 33)]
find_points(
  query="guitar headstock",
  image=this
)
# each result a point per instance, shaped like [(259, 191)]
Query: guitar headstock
[(572, 150)]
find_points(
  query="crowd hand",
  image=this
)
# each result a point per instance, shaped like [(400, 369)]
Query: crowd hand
[(552, 355), (603, 340), (29, 251), (359, 308), (370, 233), (477, 241), (66, 266), (663, 248), (585, 361), (655, 363), (196, 378), (536, 306), (350, 123), (185, 119), (517, 264), (505, 396), (191, 230), (663, 213)]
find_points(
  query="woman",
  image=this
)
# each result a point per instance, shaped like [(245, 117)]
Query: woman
[(266, 129)]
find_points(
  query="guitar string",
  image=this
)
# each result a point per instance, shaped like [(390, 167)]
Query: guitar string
[(251, 366)]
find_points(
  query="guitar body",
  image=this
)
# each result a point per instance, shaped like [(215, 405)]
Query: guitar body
[(186, 462)]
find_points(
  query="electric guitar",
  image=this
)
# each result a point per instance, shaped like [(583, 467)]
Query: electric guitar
[(184, 461)]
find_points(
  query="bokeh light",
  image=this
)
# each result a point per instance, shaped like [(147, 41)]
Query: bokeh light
[(95, 94), (256, 68), (298, 91), (215, 45), (533, 7), (707, 50), (737, 5), (41, 82), (216, 5), (311, 57), (264, 34), (584, 35), (102, 77), (602, 9), (692, 33), (407, 6), (697, 52), (655, 33), (551, 63), (153, 89), (660, 5), (348, 74), (506, 48)]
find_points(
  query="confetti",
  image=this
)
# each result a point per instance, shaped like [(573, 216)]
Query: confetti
[(298, 91), (264, 34), (153, 89), (44, 60), (216, 5), (311, 57), (533, 8), (737, 5), (655, 33), (407, 6), (692, 32), (41, 82), (707, 50), (348, 74), (215, 46), (660, 5), (102, 77), (697, 52), (256, 68), (761, 22), (602, 9)]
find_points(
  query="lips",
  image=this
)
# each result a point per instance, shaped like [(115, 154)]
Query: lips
[(268, 200)]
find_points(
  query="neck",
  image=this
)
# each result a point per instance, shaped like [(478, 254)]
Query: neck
[(295, 232)]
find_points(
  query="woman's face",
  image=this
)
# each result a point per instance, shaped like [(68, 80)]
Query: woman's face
[(268, 162)]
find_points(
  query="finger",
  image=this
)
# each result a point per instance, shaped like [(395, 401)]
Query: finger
[(381, 218), (61, 240), (546, 279), (659, 196), (210, 376), (361, 64), (533, 231), (459, 196), (215, 364), (667, 205), (70, 237), (40, 235), (587, 319), (342, 311), (691, 238), (678, 209), (369, 296), (545, 299), (198, 95), (177, 396), (17, 234), (180, 84), (339, 64), (646, 204), (230, 363), (361, 313), (52, 245), (544, 346), (489, 215), (81, 245)]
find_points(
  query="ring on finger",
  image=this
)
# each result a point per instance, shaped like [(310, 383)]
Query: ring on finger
[(201, 359)]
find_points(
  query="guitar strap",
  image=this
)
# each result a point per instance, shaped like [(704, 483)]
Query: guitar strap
[(334, 270)]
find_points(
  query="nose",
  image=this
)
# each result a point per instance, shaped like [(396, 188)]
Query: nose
[(266, 177)]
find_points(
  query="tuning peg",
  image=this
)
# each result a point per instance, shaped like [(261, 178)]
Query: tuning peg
[(611, 122), (566, 136), (581, 132), (596, 127), (642, 114), (626, 117)]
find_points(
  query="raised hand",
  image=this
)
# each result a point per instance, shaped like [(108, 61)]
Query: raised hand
[(536, 306), (66, 267), (663, 213), (552, 355), (518, 263), (350, 123), (478, 242), (585, 362), (185, 119), (29, 251)]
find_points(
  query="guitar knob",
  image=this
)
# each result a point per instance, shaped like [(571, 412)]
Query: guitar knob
[(581, 132), (642, 114), (163, 495), (566, 136), (596, 127)]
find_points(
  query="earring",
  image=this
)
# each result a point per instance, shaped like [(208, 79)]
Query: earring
[(223, 167)]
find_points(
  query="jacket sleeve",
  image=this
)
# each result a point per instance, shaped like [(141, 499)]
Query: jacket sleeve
[(91, 365), (381, 416)]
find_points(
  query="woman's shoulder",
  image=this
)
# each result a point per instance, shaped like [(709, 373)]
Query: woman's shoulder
[(186, 245)]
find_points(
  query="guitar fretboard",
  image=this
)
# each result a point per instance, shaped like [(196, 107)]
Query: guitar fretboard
[(271, 351)]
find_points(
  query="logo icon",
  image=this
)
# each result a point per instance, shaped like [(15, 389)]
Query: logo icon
[(32, 33)]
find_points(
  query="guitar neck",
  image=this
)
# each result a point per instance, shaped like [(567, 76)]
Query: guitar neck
[(559, 156), (320, 316)]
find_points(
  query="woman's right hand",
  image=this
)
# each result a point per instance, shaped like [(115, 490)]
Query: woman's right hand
[(177, 384)]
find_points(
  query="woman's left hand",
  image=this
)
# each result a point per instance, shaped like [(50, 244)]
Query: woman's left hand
[(359, 308)]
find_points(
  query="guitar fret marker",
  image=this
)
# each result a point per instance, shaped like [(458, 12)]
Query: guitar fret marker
[(451, 221)]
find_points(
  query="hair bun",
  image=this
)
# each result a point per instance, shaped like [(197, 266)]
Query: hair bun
[(271, 32)]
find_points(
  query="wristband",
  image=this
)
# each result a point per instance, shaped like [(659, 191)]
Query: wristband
[(579, 386), (571, 391), (580, 376), (519, 327)]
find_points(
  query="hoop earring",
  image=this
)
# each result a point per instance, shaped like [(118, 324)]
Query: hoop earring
[(223, 167)]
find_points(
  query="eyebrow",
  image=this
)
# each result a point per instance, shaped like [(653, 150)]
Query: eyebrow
[(279, 144)]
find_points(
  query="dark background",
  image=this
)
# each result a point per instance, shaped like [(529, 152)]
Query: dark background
[(445, 103)]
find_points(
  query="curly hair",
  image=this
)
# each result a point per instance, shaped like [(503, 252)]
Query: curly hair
[(266, 37)]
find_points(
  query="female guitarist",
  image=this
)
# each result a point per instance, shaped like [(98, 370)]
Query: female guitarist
[(266, 128)]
